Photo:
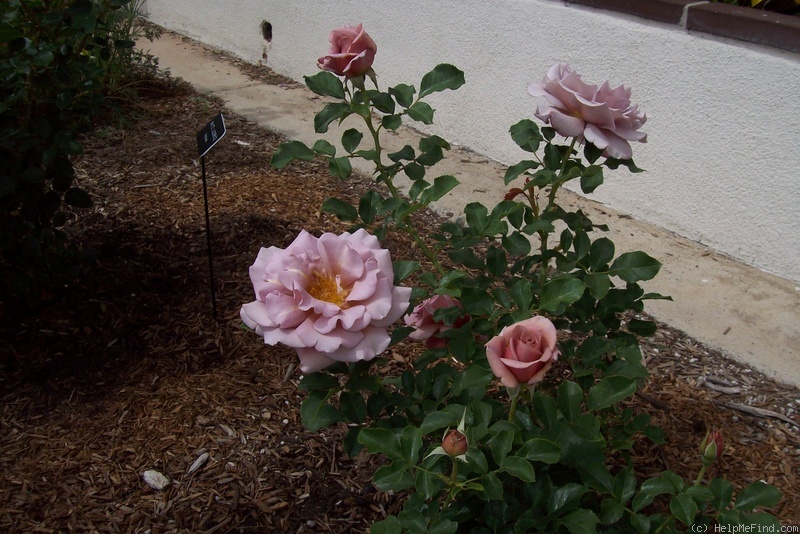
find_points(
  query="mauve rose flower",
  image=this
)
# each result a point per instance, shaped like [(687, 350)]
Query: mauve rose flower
[(523, 352), (331, 298), (351, 53), (426, 328), (601, 115)]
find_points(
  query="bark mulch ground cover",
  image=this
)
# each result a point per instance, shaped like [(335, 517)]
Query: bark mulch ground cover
[(128, 371)]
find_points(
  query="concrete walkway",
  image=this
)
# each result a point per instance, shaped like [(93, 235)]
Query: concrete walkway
[(752, 316)]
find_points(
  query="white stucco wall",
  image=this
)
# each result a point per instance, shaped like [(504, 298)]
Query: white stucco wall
[(723, 157)]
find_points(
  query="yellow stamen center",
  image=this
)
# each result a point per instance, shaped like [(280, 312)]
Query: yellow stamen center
[(323, 287)]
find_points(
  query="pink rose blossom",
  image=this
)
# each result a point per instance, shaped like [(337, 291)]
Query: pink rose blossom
[(426, 327), (523, 352), (351, 53), (331, 298), (601, 115)]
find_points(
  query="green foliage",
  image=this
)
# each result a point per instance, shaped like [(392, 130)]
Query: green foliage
[(60, 61), (537, 457), (440, 78)]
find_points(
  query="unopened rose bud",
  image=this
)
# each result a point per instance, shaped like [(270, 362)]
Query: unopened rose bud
[(351, 53), (455, 443), (712, 447), (429, 329)]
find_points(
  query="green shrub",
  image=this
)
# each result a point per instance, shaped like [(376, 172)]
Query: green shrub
[(60, 58)]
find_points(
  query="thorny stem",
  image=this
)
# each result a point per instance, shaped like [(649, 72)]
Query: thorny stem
[(664, 524), (514, 393), (554, 188), (387, 178), (551, 202), (450, 490), (700, 475), (512, 411)]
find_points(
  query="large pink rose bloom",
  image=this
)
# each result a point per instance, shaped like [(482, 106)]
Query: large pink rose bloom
[(601, 115), (523, 352), (426, 328), (351, 53), (331, 298)]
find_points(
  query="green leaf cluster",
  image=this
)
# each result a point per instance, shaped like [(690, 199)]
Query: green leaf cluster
[(59, 61), (379, 110)]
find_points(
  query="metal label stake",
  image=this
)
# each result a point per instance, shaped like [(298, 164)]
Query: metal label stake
[(209, 136)]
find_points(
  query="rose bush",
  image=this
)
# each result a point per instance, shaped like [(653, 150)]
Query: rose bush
[(351, 53), (426, 327), (523, 352), (601, 115), (331, 298), (539, 460)]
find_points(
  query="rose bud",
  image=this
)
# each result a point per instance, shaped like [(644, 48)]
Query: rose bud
[(351, 53), (426, 328), (712, 447), (455, 443)]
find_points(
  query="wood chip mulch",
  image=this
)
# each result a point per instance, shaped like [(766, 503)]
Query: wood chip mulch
[(128, 372)]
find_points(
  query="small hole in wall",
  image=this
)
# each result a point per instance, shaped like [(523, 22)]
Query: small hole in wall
[(266, 34), (266, 30)]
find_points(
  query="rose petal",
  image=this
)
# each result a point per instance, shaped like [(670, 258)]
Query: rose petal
[(494, 351), (614, 146), (596, 136), (523, 371), (367, 286), (254, 314), (401, 297), (326, 342), (373, 342), (595, 113), (282, 311), (566, 125), (312, 361), (380, 302), (340, 257), (355, 318), (524, 351)]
